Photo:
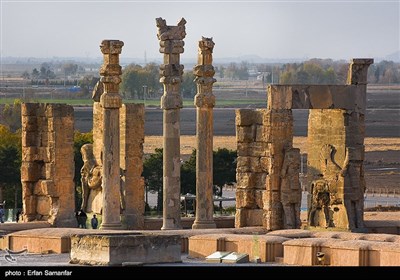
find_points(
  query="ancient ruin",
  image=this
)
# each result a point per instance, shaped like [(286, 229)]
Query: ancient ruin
[(130, 186), (204, 102), (171, 45), (268, 191), (47, 171), (110, 102), (336, 154)]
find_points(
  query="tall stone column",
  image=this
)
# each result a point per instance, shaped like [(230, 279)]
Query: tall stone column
[(204, 102), (171, 45), (111, 101)]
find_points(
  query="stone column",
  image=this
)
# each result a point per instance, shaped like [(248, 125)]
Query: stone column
[(171, 45), (111, 101), (204, 102)]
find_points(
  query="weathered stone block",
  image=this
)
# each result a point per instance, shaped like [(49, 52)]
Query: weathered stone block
[(29, 138), (247, 117), (245, 198), (248, 217), (272, 182), (259, 194), (201, 246), (255, 149), (118, 249), (245, 134), (29, 204), (29, 123), (29, 109), (269, 197), (43, 205), (248, 164), (45, 187), (30, 171)]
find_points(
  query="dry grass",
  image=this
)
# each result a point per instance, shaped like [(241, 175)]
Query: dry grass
[(188, 143)]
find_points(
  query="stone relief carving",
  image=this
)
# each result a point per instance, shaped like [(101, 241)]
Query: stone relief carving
[(90, 174), (320, 213), (290, 187), (91, 179)]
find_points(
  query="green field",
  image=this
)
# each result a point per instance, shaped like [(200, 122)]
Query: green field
[(150, 103)]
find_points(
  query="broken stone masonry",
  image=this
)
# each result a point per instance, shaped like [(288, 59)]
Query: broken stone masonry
[(268, 191), (204, 102), (171, 45), (47, 170), (268, 188), (336, 183)]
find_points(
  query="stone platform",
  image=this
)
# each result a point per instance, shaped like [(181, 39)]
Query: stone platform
[(302, 247), (58, 240)]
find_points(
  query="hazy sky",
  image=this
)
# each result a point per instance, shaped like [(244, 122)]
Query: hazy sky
[(269, 29)]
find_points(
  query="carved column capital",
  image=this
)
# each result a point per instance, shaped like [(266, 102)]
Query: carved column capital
[(204, 72), (110, 73)]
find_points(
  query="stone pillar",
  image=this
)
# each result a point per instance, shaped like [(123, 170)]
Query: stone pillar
[(47, 170), (204, 102), (131, 159), (171, 45), (111, 101)]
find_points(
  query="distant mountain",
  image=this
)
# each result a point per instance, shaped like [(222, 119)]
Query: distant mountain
[(393, 56)]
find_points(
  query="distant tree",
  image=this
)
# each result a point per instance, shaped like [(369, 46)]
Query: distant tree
[(25, 75), (224, 167), (35, 73), (230, 71), (224, 170), (10, 165), (153, 175), (46, 72), (138, 80), (188, 175), (69, 69), (87, 84), (235, 72), (12, 115), (188, 86)]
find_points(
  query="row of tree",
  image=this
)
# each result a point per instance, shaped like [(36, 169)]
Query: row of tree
[(47, 71), (143, 82), (327, 71)]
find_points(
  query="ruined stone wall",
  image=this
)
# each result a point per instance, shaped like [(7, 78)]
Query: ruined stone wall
[(47, 171), (266, 195), (335, 171), (336, 182), (131, 163)]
